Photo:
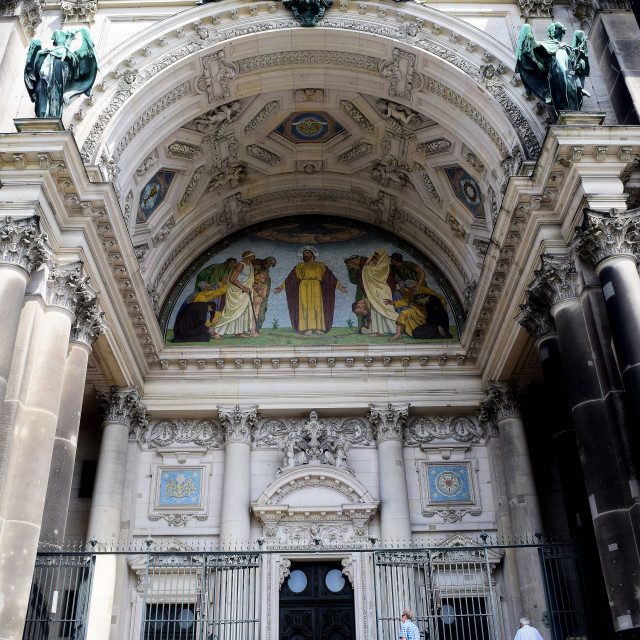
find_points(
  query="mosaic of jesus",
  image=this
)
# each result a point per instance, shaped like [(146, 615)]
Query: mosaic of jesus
[(325, 282)]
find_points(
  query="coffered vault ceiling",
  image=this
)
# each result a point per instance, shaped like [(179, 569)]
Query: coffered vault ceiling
[(414, 126)]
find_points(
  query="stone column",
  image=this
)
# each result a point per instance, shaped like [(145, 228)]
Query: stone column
[(122, 412), (601, 451), (22, 250), (238, 423), (84, 332), (395, 520), (609, 240), (501, 403), (64, 289)]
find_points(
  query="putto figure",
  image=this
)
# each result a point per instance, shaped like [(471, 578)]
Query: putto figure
[(55, 76), (553, 70)]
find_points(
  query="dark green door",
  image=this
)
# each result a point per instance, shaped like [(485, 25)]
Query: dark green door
[(316, 603)]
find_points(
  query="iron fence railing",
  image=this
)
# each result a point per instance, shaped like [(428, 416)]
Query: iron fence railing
[(217, 595)]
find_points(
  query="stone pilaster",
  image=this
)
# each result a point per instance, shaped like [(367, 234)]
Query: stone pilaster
[(64, 290), (395, 522), (238, 423), (609, 485), (501, 403), (88, 325), (22, 250)]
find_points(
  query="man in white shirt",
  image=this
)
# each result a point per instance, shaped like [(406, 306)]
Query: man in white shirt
[(527, 632)]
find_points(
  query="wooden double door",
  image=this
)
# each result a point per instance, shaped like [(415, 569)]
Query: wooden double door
[(316, 603)]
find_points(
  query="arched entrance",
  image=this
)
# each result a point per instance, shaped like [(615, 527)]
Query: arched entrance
[(316, 603)]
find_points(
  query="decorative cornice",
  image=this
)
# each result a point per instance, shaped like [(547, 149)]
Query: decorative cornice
[(238, 422), (604, 234), (535, 316), (124, 407), (88, 325), (203, 433), (66, 287), (388, 420), (500, 402), (22, 244)]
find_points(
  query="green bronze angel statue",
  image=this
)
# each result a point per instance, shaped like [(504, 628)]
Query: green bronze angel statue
[(55, 76), (553, 70)]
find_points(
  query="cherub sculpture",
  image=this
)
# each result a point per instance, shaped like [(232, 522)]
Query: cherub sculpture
[(553, 70), (55, 76)]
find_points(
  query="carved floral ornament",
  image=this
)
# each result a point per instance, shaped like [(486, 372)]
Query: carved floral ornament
[(22, 244), (501, 401), (316, 441), (124, 407)]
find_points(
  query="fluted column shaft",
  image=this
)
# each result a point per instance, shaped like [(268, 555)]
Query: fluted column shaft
[(395, 518), (85, 331), (236, 488), (524, 507)]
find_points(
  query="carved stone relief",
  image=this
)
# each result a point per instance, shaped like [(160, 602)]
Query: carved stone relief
[(216, 76)]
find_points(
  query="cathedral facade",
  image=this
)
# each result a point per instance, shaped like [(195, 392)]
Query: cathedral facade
[(313, 312)]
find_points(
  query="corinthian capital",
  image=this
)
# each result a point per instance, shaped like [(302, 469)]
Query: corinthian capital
[(605, 234), (535, 316), (500, 402), (66, 287), (123, 406), (88, 325), (388, 420), (556, 280), (238, 422), (22, 244)]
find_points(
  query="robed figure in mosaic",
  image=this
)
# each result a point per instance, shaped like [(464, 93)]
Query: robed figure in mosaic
[(311, 291), (55, 76), (553, 70)]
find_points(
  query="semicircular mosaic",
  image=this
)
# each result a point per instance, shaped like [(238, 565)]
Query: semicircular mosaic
[(321, 281)]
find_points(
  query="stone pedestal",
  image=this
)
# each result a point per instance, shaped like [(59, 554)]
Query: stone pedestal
[(395, 521), (236, 489), (85, 331)]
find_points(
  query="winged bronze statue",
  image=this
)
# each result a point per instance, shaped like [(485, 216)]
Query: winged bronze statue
[(55, 76), (553, 70)]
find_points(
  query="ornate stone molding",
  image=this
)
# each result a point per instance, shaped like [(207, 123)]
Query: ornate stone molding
[(124, 407), (177, 519), (535, 316), (202, 433), (238, 422), (8, 7), (22, 244), (357, 116), (604, 235), (500, 402), (31, 15), (402, 75), (536, 8), (426, 429), (450, 516), (88, 325), (262, 115), (79, 10), (388, 420), (217, 73)]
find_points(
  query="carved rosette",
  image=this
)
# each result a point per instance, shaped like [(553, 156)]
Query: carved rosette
[(557, 280), (68, 288), (388, 420), (603, 235), (22, 244), (535, 316), (500, 402), (88, 325), (238, 422), (124, 407)]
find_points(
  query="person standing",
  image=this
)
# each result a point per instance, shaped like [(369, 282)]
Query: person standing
[(526, 631), (408, 630)]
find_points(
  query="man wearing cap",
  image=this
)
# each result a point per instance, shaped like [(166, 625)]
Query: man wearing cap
[(237, 316)]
